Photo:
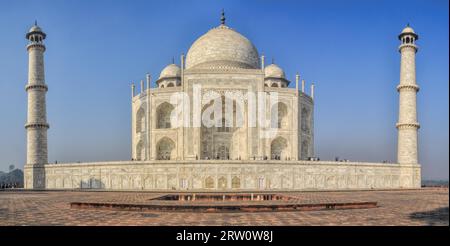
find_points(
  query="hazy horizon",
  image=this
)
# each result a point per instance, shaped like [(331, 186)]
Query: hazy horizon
[(349, 49)]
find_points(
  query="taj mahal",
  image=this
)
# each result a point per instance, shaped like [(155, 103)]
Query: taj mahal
[(222, 120)]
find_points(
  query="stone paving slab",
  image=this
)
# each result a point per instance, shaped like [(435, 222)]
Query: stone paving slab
[(428, 206)]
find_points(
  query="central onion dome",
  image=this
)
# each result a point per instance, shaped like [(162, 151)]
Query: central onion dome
[(222, 47)]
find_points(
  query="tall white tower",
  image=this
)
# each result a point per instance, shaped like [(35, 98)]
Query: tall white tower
[(36, 125), (407, 117)]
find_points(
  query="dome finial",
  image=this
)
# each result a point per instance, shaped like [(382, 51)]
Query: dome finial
[(222, 19), (173, 60), (35, 22)]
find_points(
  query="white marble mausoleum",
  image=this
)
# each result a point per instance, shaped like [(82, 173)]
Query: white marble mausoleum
[(262, 136)]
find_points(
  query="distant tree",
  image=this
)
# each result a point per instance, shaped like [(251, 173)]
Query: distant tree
[(11, 167)]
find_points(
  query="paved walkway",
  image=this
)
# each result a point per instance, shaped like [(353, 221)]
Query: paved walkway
[(428, 206)]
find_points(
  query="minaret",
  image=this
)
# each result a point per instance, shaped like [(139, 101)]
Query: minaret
[(36, 125), (407, 116)]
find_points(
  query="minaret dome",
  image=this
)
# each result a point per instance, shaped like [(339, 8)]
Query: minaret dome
[(408, 36), (35, 34)]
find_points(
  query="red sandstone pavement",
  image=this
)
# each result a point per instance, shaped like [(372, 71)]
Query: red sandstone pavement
[(427, 206)]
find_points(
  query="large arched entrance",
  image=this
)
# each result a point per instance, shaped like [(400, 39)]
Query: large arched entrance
[(221, 140)]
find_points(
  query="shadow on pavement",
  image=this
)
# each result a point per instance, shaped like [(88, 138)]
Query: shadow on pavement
[(435, 217)]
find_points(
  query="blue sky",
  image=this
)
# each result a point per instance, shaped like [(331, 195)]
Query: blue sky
[(348, 48)]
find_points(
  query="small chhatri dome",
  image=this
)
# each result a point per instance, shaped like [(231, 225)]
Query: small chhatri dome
[(274, 71), (35, 29), (170, 71), (408, 30), (222, 47)]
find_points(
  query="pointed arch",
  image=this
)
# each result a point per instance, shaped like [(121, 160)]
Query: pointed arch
[(140, 151), (305, 119), (235, 182), (222, 183), (278, 149), (163, 112), (282, 115), (304, 149), (165, 149), (209, 183), (140, 120)]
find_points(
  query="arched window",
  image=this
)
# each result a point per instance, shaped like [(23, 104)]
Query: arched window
[(165, 149), (305, 120), (163, 113), (281, 115), (235, 183), (222, 183), (140, 151), (407, 40), (170, 84), (209, 183), (278, 149), (304, 150), (274, 85), (140, 120)]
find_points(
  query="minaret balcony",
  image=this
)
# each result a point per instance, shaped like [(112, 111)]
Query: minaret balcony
[(42, 87), (36, 45), (37, 125), (402, 46), (408, 87), (414, 125)]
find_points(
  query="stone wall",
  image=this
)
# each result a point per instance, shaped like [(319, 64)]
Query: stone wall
[(227, 175)]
